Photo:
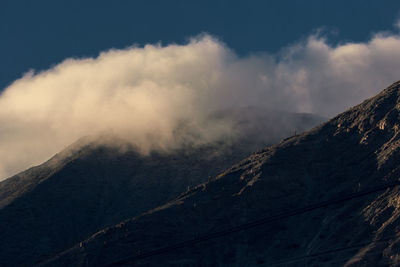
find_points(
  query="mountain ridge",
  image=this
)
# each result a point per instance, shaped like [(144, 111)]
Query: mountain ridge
[(354, 151)]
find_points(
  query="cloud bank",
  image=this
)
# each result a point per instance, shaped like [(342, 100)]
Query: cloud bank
[(145, 94)]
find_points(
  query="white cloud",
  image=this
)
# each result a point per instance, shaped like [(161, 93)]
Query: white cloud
[(144, 94)]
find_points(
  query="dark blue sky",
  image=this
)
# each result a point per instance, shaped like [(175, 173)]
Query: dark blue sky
[(38, 34)]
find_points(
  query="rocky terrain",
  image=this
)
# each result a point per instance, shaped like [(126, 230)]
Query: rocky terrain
[(326, 197), (92, 184)]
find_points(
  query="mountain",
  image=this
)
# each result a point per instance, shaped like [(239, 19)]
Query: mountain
[(101, 180), (326, 197)]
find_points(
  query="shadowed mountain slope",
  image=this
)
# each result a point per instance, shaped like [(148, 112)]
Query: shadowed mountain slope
[(317, 197), (100, 181)]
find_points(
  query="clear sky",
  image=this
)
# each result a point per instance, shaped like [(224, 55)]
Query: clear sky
[(38, 34)]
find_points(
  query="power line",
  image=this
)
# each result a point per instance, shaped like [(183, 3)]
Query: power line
[(325, 252), (252, 224)]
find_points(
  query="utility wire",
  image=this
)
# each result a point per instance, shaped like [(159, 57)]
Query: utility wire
[(252, 224), (325, 252)]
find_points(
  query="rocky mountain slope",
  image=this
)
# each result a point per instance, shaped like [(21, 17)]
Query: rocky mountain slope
[(92, 184), (327, 197)]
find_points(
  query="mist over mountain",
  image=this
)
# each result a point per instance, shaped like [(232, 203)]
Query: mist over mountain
[(326, 197), (146, 95)]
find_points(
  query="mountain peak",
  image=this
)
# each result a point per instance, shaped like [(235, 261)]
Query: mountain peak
[(101, 180)]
